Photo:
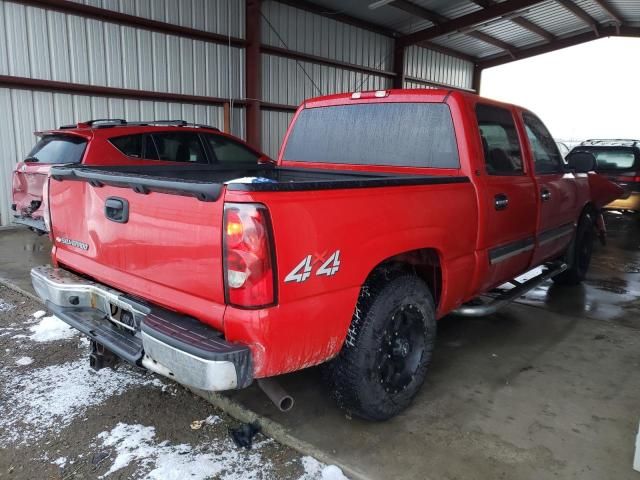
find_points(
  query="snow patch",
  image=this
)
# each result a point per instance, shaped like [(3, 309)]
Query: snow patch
[(5, 306), (22, 361), (314, 470), (61, 462), (50, 398), (50, 329), (39, 314), (138, 444)]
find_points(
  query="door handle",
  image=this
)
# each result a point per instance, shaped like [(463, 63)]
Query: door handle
[(501, 201), (545, 195), (116, 209)]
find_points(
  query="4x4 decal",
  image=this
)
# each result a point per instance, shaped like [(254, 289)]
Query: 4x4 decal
[(304, 269)]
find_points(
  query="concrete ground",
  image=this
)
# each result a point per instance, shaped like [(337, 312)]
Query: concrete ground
[(61, 420), (547, 388)]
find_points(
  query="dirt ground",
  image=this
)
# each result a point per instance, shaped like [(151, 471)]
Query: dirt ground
[(61, 420)]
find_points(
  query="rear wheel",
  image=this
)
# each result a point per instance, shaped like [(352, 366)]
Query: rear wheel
[(384, 360), (579, 253)]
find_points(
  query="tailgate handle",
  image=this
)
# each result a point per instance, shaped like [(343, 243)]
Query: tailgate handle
[(117, 209)]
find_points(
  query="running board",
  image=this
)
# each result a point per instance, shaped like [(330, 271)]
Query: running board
[(510, 295)]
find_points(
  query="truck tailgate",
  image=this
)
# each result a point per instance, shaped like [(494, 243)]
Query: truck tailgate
[(168, 251)]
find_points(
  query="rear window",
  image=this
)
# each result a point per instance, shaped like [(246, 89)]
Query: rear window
[(395, 134), (58, 149), (609, 159)]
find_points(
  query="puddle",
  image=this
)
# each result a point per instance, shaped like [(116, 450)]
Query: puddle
[(613, 285)]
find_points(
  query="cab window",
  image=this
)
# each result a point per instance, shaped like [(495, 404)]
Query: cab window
[(500, 143), (546, 156)]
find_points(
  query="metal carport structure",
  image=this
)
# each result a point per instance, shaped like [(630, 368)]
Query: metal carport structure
[(245, 65)]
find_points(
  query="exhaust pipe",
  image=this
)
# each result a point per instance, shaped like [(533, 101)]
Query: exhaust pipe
[(276, 394)]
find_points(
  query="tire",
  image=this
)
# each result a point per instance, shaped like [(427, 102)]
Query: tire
[(388, 349), (578, 255)]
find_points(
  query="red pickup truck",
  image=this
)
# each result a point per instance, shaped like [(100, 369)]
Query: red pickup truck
[(117, 142), (386, 211)]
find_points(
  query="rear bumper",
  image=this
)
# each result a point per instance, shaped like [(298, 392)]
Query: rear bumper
[(632, 202), (36, 223), (173, 345)]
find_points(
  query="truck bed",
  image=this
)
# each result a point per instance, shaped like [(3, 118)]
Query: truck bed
[(205, 182)]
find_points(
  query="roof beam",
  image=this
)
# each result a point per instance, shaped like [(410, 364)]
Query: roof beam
[(438, 19), (418, 11), (483, 37), (339, 16), (533, 27), (570, 41), (466, 21), (581, 14), (606, 6), (521, 21)]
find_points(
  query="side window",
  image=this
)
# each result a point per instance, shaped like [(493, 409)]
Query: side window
[(130, 145), (136, 146), (179, 147), (502, 155), (228, 152), (546, 156)]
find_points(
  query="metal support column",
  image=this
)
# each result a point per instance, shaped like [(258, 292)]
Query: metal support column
[(253, 73), (477, 78), (398, 65)]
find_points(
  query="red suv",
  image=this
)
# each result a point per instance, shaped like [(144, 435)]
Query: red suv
[(118, 142)]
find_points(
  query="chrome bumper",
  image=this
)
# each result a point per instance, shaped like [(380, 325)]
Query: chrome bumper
[(172, 345), (35, 223)]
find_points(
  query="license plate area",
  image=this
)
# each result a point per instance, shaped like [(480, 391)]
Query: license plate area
[(123, 317)]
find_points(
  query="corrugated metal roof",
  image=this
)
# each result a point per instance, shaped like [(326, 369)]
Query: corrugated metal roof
[(511, 33), (467, 45), (549, 15)]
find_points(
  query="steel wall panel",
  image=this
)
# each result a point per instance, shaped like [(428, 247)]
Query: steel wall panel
[(36, 110), (208, 15), (274, 126), (289, 82), (432, 66), (303, 31), (412, 84), (55, 46)]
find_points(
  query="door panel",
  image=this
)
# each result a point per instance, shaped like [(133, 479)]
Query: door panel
[(557, 192), (509, 197), (510, 231)]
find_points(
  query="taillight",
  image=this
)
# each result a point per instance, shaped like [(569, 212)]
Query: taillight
[(629, 178), (46, 215), (249, 266)]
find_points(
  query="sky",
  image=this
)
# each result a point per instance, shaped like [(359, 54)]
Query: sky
[(587, 91)]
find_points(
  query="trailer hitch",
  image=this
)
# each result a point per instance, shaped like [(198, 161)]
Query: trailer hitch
[(100, 357)]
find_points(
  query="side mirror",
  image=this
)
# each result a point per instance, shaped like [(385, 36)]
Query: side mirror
[(264, 159), (581, 162)]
